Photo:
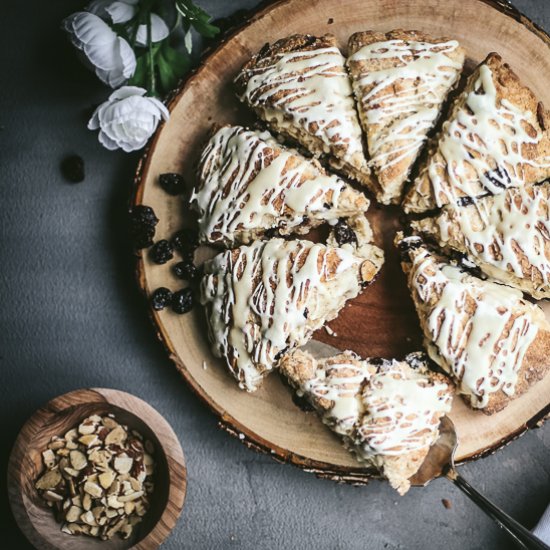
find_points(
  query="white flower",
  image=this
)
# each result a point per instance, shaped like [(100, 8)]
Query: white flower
[(120, 11), (111, 56), (159, 31), (127, 119)]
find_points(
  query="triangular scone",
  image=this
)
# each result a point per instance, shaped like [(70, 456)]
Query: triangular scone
[(249, 184), (401, 80), (507, 236), (485, 335), (496, 137), (386, 411), (271, 296), (300, 87)]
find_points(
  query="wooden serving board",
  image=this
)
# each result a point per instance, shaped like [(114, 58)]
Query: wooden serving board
[(380, 322)]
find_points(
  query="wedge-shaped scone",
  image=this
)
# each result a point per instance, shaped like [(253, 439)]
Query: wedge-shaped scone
[(249, 184), (485, 335), (401, 80), (269, 297), (507, 236), (386, 411), (496, 137), (300, 87)]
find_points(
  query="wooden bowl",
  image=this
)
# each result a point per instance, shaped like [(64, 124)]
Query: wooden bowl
[(382, 320), (61, 414)]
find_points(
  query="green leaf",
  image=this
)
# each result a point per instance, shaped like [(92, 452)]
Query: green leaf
[(197, 17), (172, 65), (140, 75)]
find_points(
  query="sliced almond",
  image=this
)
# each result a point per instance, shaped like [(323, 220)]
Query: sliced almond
[(48, 456), (78, 460), (52, 497), (87, 427), (50, 480), (71, 471), (90, 440), (56, 444), (93, 489), (106, 478), (129, 507), (71, 435), (88, 518), (123, 464), (116, 436), (86, 501), (136, 484), (130, 497), (109, 422), (114, 502), (73, 513)]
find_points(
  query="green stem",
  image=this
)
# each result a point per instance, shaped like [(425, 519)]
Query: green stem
[(151, 64)]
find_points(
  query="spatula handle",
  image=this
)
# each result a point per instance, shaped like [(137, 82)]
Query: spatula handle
[(523, 537)]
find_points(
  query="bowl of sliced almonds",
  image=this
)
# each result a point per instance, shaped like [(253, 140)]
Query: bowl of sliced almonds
[(96, 468)]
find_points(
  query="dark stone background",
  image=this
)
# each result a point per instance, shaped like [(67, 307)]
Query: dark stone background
[(71, 317)]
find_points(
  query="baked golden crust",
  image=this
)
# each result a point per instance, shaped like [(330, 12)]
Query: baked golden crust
[(484, 334), (249, 184), (400, 84), (485, 148), (386, 411), (300, 87), (505, 235)]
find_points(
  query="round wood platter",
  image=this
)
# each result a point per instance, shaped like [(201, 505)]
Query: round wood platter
[(381, 322), (63, 413)]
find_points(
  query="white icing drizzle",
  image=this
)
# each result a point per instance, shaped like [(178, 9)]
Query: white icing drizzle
[(340, 383), (404, 114), (481, 330), (503, 231), (270, 296), (387, 410), (482, 147), (314, 90), (403, 408), (243, 188)]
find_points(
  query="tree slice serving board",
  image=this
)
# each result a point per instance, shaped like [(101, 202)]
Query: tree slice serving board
[(380, 322)]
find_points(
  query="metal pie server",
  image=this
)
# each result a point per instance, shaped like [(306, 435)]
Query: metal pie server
[(440, 463)]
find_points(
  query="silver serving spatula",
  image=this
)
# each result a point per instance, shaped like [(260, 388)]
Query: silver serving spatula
[(440, 463)]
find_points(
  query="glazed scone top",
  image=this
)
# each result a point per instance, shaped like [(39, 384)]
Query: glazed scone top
[(310, 85), (507, 236), (401, 80), (494, 139), (385, 408), (478, 331), (248, 184), (272, 295)]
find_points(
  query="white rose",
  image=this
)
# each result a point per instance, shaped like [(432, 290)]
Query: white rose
[(127, 119), (111, 56), (119, 11), (159, 31)]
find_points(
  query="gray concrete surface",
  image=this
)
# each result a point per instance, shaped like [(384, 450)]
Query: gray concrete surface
[(71, 317)]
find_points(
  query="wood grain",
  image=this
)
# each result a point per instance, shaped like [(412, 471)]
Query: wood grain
[(36, 520), (382, 321)]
